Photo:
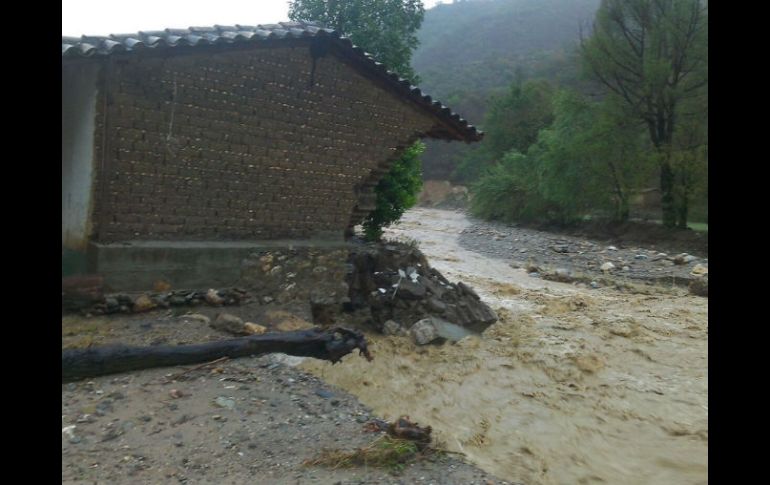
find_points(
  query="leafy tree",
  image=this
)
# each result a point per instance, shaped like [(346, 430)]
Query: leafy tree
[(509, 191), (588, 160), (653, 54), (387, 30), (515, 120), (512, 123), (396, 192), (591, 157)]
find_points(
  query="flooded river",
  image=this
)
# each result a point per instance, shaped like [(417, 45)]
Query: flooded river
[(571, 386)]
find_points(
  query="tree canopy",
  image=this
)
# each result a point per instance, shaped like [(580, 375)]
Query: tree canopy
[(387, 29), (653, 54)]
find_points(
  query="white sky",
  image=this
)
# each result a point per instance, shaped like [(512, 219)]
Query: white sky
[(102, 17)]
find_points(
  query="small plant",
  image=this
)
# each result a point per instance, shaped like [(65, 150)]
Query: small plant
[(384, 452)]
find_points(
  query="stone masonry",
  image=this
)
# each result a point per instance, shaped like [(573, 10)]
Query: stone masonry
[(240, 146)]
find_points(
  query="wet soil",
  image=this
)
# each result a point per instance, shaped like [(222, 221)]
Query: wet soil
[(248, 420)]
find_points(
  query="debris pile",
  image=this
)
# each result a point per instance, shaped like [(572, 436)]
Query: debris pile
[(398, 285)]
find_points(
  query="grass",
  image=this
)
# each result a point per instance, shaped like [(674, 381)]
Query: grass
[(695, 226), (698, 226), (81, 332), (384, 452)]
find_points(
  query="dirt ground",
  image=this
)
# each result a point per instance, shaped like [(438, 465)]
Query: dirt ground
[(572, 386), (250, 420)]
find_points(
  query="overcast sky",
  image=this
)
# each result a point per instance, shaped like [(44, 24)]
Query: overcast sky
[(102, 17)]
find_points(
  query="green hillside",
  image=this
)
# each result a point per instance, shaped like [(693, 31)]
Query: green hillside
[(473, 49)]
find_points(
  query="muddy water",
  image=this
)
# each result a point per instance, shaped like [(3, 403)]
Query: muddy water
[(571, 386)]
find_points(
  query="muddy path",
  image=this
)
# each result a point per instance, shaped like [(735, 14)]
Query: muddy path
[(573, 385)]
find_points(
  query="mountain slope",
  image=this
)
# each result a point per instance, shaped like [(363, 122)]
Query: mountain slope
[(470, 50)]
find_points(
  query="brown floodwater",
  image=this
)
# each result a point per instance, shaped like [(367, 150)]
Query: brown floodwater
[(571, 386)]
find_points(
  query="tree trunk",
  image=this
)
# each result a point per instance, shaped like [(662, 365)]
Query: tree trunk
[(623, 210), (682, 212), (667, 204), (330, 345)]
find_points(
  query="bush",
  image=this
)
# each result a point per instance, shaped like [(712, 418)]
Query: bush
[(506, 192), (396, 192)]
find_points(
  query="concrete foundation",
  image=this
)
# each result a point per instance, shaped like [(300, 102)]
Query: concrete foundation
[(137, 265)]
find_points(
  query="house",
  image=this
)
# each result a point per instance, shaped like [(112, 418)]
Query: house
[(183, 149)]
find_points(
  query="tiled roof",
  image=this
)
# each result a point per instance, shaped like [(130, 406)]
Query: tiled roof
[(454, 127)]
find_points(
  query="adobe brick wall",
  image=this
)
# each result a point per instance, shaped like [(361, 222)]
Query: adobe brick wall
[(237, 146)]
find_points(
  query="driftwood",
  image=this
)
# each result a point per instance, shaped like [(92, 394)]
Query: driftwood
[(331, 345)]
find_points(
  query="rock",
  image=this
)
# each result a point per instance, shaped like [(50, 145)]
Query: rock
[(611, 248), (594, 285), (69, 433), (225, 402), (626, 268), (229, 323), (324, 309), (213, 298), (423, 332), (560, 249), (700, 286), (682, 258), (390, 327), (450, 331), (161, 286), (411, 290), (562, 275), (467, 290), (430, 329), (197, 317), (699, 270), (254, 328), (607, 267), (667, 262), (143, 303), (534, 274), (435, 305), (641, 256)]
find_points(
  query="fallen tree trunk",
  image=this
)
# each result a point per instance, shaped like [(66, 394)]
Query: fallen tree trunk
[(330, 345)]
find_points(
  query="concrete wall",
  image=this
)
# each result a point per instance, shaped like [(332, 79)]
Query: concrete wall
[(78, 110), (238, 146)]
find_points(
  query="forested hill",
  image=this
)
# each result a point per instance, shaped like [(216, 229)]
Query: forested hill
[(472, 49)]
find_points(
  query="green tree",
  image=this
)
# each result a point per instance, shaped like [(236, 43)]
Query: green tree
[(591, 158), (387, 29), (512, 123), (586, 162), (396, 192), (653, 54)]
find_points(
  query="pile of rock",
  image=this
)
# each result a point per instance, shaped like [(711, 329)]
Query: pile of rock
[(398, 285), (124, 303)]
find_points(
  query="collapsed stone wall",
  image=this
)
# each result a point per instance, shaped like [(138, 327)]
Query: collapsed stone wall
[(396, 282), (238, 145), (388, 286)]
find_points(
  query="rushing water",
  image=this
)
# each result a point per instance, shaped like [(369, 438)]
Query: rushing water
[(571, 386)]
